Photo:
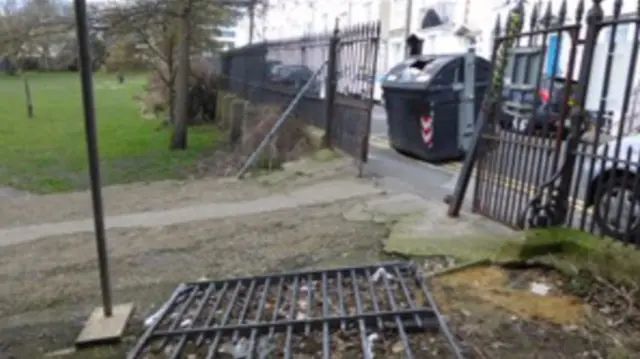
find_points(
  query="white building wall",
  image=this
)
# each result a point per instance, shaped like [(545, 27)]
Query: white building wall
[(436, 40)]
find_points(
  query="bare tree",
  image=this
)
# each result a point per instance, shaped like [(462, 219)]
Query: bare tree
[(170, 32)]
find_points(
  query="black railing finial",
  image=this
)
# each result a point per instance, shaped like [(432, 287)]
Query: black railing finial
[(595, 13), (562, 13), (533, 19), (580, 10), (496, 28), (617, 8)]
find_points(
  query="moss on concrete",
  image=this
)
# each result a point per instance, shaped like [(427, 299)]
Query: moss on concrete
[(324, 155), (570, 251), (467, 246)]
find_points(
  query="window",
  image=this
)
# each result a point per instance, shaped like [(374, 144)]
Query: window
[(445, 10), (622, 34)]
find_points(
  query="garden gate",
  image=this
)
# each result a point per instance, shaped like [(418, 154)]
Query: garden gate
[(542, 156)]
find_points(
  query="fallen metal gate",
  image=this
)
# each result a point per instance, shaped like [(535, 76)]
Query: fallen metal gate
[(312, 313)]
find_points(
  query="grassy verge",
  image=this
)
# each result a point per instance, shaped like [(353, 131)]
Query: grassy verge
[(48, 153)]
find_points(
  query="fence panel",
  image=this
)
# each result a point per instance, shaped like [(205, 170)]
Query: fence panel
[(559, 147), (355, 75), (339, 100)]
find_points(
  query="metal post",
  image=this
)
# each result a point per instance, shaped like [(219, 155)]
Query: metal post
[(364, 153), (27, 95), (489, 105), (467, 108), (407, 26), (279, 123), (252, 22), (84, 57), (330, 86)]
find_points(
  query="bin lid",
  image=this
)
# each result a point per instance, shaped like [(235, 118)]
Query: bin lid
[(417, 72)]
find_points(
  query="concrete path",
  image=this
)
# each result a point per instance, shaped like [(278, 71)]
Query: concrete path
[(8, 193), (322, 193)]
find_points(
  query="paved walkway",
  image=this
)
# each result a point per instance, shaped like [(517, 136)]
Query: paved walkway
[(322, 193), (8, 193)]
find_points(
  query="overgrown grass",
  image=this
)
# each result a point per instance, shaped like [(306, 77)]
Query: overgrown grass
[(48, 153)]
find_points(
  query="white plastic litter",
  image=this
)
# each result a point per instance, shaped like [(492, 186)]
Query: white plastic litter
[(155, 316), (241, 349), (380, 273), (540, 288), (159, 313), (371, 338)]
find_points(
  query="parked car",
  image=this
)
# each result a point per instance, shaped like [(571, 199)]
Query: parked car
[(612, 187), (271, 65), (524, 113), (357, 86), (295, 76)]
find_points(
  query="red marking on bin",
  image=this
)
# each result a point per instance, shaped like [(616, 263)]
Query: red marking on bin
[(426, 122)]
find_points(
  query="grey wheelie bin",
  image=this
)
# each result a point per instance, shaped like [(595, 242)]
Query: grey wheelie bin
[(431, 104)]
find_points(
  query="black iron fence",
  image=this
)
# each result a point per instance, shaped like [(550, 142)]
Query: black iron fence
[(565, 155), (341, 69)]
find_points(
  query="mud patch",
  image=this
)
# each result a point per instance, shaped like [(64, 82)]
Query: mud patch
[(512, 291), (501, 312)]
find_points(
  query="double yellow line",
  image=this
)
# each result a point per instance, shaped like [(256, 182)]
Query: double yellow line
[(455, 167)]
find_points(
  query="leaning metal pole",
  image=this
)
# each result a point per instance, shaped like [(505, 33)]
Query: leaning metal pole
[(274, 130), (490, 101), (84, 57)]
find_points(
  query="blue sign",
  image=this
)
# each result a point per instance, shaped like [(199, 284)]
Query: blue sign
[(553, 54)]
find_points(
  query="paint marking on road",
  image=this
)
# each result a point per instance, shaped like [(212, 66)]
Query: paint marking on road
[(455, 167), (515, 185)]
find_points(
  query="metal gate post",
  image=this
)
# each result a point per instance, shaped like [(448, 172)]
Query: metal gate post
[(330, 86), (364, 153), (489, 104), (466, 119)]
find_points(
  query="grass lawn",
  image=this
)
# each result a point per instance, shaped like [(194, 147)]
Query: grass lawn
[(48, 153)]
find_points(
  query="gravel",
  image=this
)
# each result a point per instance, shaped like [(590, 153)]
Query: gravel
[(45, 295)]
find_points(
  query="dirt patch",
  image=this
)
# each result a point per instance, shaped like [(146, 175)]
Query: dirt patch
[(497, 314), (512, 292), (47, 287)]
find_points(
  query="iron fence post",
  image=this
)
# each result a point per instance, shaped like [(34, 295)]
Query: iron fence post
[(364, 153), (489, 104), (330, 86), (577, 113)]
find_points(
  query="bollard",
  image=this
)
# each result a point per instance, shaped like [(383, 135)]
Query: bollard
[(238, 113)]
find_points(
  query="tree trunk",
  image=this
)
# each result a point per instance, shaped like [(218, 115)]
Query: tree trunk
[(171, 86), (170, 81), (179, 136)]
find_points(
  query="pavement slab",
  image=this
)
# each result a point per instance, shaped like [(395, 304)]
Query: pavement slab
[(323, 192)]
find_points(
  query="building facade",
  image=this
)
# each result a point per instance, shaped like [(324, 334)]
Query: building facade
[(621, 56), (436, 22)]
